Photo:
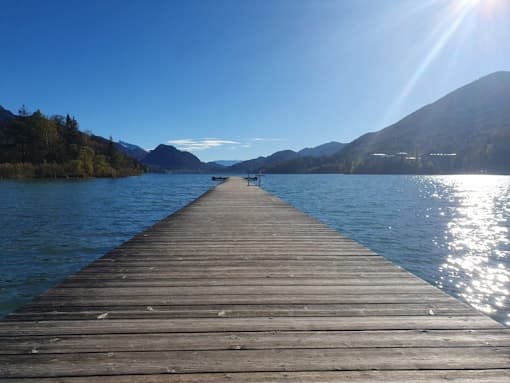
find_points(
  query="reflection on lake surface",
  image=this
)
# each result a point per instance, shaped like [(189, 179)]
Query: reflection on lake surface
[(452, 231), (478, 245)]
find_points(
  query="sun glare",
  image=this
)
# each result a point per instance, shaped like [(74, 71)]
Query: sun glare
[(485, 6), (458, 19), (470, 2)]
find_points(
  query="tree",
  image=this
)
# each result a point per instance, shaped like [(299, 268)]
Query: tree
[(23, 111), (114, 154), (37, 146)]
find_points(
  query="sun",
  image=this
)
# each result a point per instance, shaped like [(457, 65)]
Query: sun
[(463, 4), (459, 20), (484, 5)]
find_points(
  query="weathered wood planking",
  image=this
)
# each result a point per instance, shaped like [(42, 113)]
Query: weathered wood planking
[(241, 287)]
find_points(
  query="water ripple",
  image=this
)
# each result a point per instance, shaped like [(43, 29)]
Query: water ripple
[(452, 231), (51, 229)]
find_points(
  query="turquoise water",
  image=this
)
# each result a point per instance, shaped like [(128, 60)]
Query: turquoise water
[(452, 231)]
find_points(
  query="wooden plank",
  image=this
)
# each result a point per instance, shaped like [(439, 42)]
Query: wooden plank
[(140, 281), (241, 299), (253, 341), (269, 273), (311, 270), (238, 290), (150, 257), (240, 311), (354, 261), (395, 376), (159, 362), (221, 324)]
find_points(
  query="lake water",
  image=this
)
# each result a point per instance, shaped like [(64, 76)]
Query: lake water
[(51, 229), (452, 231)]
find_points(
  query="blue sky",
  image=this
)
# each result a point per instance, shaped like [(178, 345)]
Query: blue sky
[(239, 79)]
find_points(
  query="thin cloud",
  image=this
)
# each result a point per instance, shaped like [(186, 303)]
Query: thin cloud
[(190, 144)]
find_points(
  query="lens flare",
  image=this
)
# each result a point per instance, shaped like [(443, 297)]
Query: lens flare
[(455, 18), (471, 3), (485, 7), (457, 21)]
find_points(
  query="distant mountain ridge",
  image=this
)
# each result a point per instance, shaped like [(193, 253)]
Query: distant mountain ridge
[(131, 150), (468, 130), (262, 164), (167, 158), (326, 149), (226, 162), (472, 122)]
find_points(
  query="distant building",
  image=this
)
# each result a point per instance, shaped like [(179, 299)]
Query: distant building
[(381, 155)]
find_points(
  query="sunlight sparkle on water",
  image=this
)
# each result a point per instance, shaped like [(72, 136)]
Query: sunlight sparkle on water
[(452, 231), (478, 240)]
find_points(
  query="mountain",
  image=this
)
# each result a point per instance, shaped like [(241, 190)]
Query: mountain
[(226, 162), (275, 160), (169, 159), (131, 150), (5, 114), (261, 163), (322, 150), (468, 130)]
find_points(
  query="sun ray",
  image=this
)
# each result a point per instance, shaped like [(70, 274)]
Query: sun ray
[(457, 14)]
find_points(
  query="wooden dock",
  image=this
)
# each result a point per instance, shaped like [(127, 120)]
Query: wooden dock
[(240, 287)]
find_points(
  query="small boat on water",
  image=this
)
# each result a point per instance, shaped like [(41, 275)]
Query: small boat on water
[(216, 178)]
